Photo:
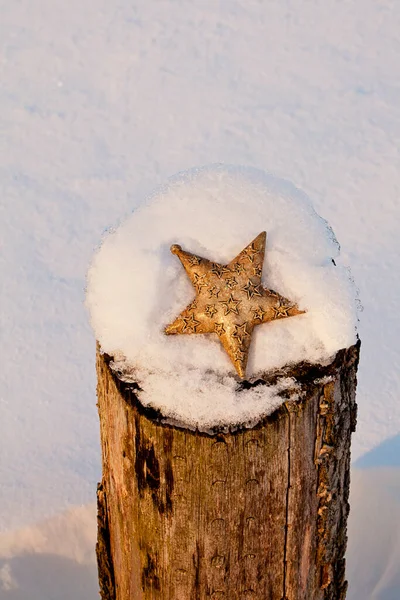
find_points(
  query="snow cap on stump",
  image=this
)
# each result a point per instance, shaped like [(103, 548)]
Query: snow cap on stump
[(136, 287)]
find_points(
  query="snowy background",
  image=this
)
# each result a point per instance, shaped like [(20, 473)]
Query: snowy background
[(100, 102)]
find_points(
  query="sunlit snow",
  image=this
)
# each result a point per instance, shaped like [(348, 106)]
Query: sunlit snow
[(136, 286)]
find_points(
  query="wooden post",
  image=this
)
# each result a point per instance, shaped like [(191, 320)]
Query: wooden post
[(256, 514)]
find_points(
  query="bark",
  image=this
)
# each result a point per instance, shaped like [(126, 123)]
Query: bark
[(256, 514)]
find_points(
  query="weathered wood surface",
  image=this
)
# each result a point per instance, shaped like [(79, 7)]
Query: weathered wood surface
[(258, 514)]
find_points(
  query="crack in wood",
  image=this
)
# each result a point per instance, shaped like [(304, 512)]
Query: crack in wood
[(284, 596), (103, 548)]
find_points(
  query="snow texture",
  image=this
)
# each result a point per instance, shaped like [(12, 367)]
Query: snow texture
[(136, 287), (102, 101)]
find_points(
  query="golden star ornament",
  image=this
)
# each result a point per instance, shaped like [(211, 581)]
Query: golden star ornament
[(230, 300)]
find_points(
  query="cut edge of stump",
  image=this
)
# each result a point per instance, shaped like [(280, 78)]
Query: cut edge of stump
[(304, 374)]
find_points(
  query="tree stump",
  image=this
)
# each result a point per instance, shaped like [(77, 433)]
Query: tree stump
[(254, 514)]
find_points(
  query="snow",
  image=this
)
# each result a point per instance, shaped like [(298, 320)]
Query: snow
[(101, 102), (51, 560), (136, 286)]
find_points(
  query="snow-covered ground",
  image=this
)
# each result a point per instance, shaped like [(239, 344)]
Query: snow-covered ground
[(103, 100)]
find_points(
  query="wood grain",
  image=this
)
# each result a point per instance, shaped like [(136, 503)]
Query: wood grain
[(256, 514)]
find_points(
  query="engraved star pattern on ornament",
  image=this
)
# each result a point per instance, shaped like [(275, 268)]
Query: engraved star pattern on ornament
[(192, 305), (251, 289), (259, 314), (199, 281), (231, 283), (189, 324), (231, 305), (251, 252), (210, 310), (281, 311), (214, 291), (238, 268), (257, 271), (219, 328), (240, 307), (219, 270), (240, 332), (239, 356)]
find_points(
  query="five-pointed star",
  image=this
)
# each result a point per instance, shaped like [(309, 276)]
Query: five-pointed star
[(230, 310)]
